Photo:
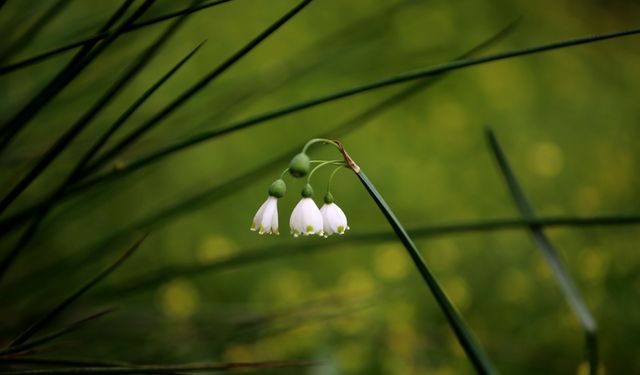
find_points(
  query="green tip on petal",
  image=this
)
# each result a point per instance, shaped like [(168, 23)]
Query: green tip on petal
[(340, 229), (278, 188), (300, 165), (309, 229)]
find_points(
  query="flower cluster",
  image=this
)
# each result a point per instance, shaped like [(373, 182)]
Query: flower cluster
[(306, 219)]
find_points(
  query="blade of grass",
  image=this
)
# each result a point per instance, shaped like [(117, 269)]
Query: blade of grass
[(33, 30), (186, 95), (13, 221), (65, 76), (52, 336), (39, 361), (48, 317), (566, 284), (337, 132), (404, 77), (474, 351), (52, 153), (145, 369), (62, 142), (102, 35)]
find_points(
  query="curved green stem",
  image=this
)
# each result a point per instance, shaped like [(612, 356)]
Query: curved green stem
[(319, 140), (322, 164), (284, 173), (331, 177)]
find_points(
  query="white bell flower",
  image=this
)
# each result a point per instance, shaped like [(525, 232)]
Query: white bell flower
[(306, 218), (334, 219), (266, 219)]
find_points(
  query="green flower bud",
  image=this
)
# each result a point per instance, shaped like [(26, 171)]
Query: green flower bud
[(300, 165), (328, 198), (307, 191), (278, 188)]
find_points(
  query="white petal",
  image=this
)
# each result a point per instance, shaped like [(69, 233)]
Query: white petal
[(267, 218), (257, 219)]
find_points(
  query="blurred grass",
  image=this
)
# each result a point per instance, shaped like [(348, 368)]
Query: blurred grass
[(570, 117)]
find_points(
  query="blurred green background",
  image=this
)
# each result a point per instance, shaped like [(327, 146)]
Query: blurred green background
[(567, 119)]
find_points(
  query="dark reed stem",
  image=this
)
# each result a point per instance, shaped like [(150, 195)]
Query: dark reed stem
[(26, 214), (145, 369), (52, 336), (104, 34), (66, 138), (52, 153), (563, 278), (48, 317), (474, 351), (33, 30), (404, 77), (78, 63), (178, 102)]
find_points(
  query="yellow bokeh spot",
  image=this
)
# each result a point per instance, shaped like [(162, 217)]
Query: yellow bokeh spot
[(515, 286), (443, 255), (547, 159), (595, 264), (587, 199), (288, 286), (214, 248), (238, 353), (390, 262), (357, 282), (352, 357), (457, 289), (583, 369), (178, 299)]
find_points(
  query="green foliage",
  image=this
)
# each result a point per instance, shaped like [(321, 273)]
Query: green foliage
[(111, 125)]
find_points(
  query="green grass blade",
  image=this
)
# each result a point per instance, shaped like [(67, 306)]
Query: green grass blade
[(33, 30), (152, 279), (178, 102), (15, 124), (66, 138), (102, 35), (47, 318), (164, 369), (52, 336), (474, 352), (40, 361), (404, 77), (16, 219), (56, 149), (563, 278)]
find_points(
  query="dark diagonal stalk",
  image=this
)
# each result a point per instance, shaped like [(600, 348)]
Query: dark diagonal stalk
[(47, 318), (474, 351), (103, 34), (33, 30), (77, 64), (404, 77), (75, 129), (164, 369), (54, 335), (178, 102), (566, 284)]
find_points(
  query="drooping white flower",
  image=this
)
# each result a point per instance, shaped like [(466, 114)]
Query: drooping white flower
[(334, 219), (266, 219), (306, 219)]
